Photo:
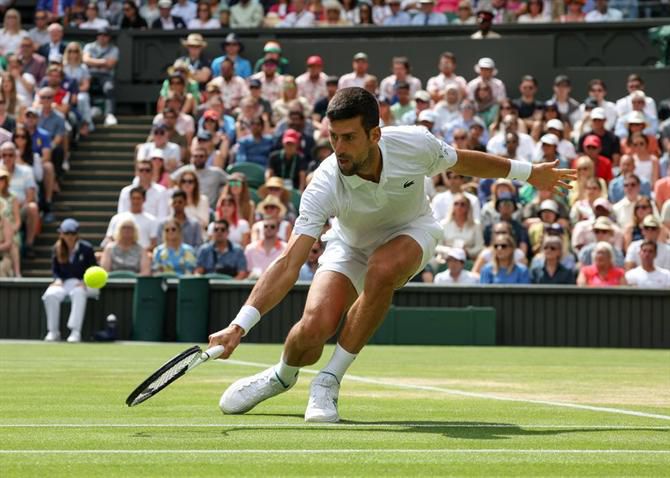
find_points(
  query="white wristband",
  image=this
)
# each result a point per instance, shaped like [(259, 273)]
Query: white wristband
[(247, 317), (519, 170)]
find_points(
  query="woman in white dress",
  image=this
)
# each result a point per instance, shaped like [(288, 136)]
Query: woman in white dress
[(11, 33)]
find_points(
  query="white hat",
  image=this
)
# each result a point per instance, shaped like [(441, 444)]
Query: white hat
[(456, 253), (156, 153), (486, 63), (555, 124), (427, 115), (598, 113), (549, 138), (636, 117), (549, 205), (165, 4)]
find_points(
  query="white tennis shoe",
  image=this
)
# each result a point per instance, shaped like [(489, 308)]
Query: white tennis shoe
[(74, 337), (52, 337), (248, 392), (323, 394)]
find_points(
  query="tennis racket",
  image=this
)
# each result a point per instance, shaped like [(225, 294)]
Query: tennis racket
[(171, 371)]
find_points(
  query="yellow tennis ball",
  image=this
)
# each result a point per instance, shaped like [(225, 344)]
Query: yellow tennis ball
[(95, 277)]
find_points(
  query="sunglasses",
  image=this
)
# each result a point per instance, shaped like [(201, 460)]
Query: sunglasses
[(584, 168), (642, 206), (199, 156), (591, 147), (459, 138), (629, 185), (220, 229), (639, 143), (20, 136), (500, 246), (187, 181), (144, 170), (550, 248), (459, 203), (170, 229), (600, 231), (8, 155), (69, 233), (235, 182), (269, 226), (648, 228), (46, 97)]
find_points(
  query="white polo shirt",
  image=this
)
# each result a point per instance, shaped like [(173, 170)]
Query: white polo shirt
[(367, 212), (657, 279), (156, 203), (662, 254)]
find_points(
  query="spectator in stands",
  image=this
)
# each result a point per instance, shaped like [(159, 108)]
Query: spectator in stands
[(527, 105), (549, 151), (633, 229), (602, 13), (159, 173), (526, 146), (567, 106), (647, 166), (166, 19), (12, 212), (310, 266), (271, 81), (565, 149), (585, 172), (312, 84), (455, 273), (233, 88), (145, 223), (632, 192), (149, 11), (442, 202), (573, 13), (17, 88), (274, 204), (396, 16), (421, 103), (93, 21), (582, 209), (287, 163), (11, 32), (272, 51), (503, 269), (401, 73), (296, 120), (651, 232), (204, 20), (39, 34), (112, 11), (603, 230), (9, 263), (173, 256), (246, 14), (548, 214), (40, 138), (593, 147), (179, 91), (636, 122), (221, 255), (597, 92), (358, 76), (22, 185), (583, 234), (486, 69), (618, 185), (321, 105), (661, 190), (159, 140), (551, 271), (464, 14), (197, 204), (484, 22), (333, 15), (76, 70), (215, 156), (289, 95), (625, 105), (239, 230), (535, 13), (506, 208), (365, 14), (101, 57), (404, 103), (71, 257), (156, 197), (603, 272), (124, 252), (437, 85), (649, 274), (191, 230), (262, 252), (197, 63), (485, 257), (7, 121), (239, 188), (31, 63), (461, 229), (132, 20), (255, 148), (427, 15), (185, 10), (232, 48)]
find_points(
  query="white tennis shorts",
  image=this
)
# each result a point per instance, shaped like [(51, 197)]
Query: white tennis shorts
[(353, 262)]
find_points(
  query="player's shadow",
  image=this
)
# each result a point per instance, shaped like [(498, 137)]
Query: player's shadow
[(449, 429)]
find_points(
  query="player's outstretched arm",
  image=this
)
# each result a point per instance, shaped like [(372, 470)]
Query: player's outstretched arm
[(545, 176), (270, 289)]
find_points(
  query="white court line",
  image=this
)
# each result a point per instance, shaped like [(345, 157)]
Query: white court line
[(405, 451), (462, 393), (316, 426)]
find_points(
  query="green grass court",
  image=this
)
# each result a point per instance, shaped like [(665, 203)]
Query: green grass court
[(407, 411)]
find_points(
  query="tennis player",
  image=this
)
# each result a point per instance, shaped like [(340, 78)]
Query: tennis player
[(382, 235)]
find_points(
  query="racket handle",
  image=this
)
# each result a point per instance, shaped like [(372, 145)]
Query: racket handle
[(212, 353)]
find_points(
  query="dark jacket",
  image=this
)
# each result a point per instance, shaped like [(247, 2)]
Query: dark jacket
[(45, 49), (83, 259), (178, 23)]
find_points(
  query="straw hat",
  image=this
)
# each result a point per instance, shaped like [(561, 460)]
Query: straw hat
[(194, 39), (274, 182), (271, 201)]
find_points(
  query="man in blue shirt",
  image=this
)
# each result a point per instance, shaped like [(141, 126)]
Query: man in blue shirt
[(221, 256), (233, 48), (397, 17), (427, 16), (255, 148)]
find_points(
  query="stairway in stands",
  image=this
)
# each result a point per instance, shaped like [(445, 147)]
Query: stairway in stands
[(100, 167)]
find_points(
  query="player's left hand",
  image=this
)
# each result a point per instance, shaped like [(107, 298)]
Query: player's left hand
[(546, 177)]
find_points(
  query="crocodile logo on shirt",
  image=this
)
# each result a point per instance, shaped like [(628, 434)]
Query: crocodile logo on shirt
[(407, 184)]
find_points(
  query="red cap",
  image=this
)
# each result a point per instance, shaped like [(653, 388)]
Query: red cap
[(291, 136), (592, 140), (314, 60), (211, 114)]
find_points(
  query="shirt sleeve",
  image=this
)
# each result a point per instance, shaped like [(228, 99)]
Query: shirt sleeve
[(441, 156), (317, 205)]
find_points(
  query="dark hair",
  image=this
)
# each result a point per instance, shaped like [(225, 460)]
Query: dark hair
[(649, 243), (449, 56), (132, 5), (224, 222), (635, 177), (351, 102), (179, 194), (530, 78), (402, 60), (635, 77), (596, 82), (139, 190), (27, 155)]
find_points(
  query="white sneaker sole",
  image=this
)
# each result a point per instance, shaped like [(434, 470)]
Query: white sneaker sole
[(321, 419)]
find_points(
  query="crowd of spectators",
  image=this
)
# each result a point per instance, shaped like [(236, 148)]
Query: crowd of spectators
[(234, 143)]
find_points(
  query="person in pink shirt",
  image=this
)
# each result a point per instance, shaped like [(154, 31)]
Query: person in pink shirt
[(603, 272), (260, 254), (662, 191)]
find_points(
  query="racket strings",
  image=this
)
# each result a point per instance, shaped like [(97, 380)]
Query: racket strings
[(165, 378)]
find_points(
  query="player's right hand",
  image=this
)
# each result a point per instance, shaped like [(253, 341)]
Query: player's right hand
[(229, 337)]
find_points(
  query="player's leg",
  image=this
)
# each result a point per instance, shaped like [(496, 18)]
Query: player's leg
[(389, 268), (52, 298), (330, 294)]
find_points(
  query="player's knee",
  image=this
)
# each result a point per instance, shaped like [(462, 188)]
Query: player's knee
[(316, 327), (382, 274)]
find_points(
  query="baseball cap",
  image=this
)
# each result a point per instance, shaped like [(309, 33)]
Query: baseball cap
[(602, 224), (211, 114), (636, 117), (456, 253), (562, 79), (32, 111), (650, 221), (427, 115), (68, 225), (156, 153), (290, 136), (272, 47), (554, 228), (486, 63), (604, 203), (598, 113), (549, 139), (332, 80), (592, 140), (505, 197), (104, 31), (361, 56), (314, 60), (231, 38), (555, 124), (255, 83), (204, 135), (3, 173), (477, 121), (422, 95), (165, 4), (160, 127), (549, 205)]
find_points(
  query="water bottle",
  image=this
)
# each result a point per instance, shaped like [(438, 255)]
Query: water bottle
[(111, 326)]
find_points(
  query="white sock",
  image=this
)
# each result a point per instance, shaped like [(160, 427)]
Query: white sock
[(339, 362), (286, 373)]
